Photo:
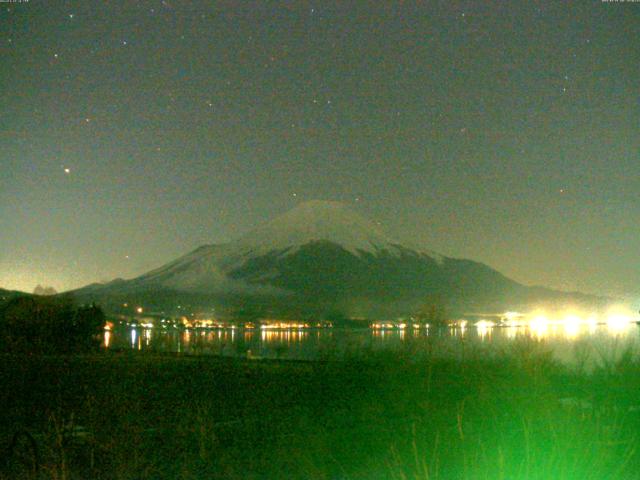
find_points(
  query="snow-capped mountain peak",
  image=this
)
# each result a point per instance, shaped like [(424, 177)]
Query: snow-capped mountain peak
[(283, 266), (318, 221)]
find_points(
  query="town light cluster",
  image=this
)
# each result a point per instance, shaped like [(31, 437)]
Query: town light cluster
[(570, 321)]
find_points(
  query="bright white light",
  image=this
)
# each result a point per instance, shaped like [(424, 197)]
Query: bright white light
[(484, 327), (485, 324), (539, 325), (572, 325)]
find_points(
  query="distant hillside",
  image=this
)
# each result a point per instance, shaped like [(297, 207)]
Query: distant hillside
[(6, 295)]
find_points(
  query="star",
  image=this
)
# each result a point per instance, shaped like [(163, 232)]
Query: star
[(67, 170)]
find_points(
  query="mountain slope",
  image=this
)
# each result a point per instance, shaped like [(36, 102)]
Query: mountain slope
[(319, 257)]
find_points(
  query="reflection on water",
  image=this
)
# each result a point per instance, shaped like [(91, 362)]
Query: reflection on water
[(484, 328), (563, 338), (134, 335)]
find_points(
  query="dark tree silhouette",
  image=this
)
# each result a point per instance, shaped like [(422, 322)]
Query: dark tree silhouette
[(49, 325)]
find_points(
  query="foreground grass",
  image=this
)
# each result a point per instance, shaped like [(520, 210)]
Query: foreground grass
[(135, 416)]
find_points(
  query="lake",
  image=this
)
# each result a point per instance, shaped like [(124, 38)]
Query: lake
[(569, 343)]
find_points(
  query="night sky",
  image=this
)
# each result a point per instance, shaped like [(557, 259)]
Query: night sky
[(506, 132)]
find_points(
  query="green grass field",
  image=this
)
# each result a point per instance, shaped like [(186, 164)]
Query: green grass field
[(518, 415)]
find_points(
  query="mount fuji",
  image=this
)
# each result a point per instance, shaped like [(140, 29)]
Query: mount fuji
[(321, 258)]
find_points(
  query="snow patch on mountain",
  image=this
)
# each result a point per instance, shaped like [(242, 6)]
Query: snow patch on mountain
[(205, 270)]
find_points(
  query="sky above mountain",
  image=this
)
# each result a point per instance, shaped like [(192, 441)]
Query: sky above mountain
[(504, 132)]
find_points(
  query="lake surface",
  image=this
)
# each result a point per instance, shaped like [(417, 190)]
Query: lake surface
[(570, 343)]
